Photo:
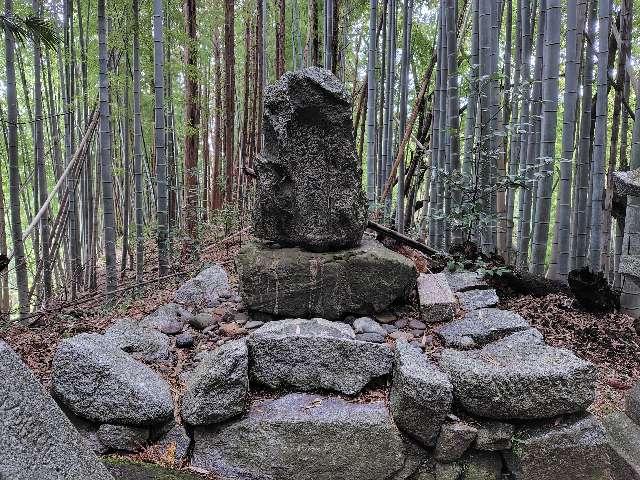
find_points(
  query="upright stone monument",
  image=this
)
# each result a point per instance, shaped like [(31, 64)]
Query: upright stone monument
[(311, 211)]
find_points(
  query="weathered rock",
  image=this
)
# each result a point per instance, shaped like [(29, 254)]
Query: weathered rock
[(309, 188), (437, 302), (630, 265), (169, 319), (505, 381), (184, 340), (632, 406), (141, 342), (88, 430), (472, 466), (465, 280), (370, 337), (421, 395), (202, 320), (174, 440), (290, 282), (454, 440), (121, 437), (475, 299), (574, 448), (480, 327), (530, 336), (368, 325), (100, 382), (38, 442), (232, 329), (494, 436), (219, 386), (315, 354), (203, 290), (623, 437), (627, 183), (305, 437)]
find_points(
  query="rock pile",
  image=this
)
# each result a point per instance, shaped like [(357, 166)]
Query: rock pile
[(310, 202)]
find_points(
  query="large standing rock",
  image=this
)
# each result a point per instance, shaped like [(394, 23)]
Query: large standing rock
[(141, 342), (571, 449), (219, 387), (623, 437), (38, 442), (290, 282), (421, 395), (309, 188), (315, 354), (203, 290), (99, 382), (305, 437), (513, 380)]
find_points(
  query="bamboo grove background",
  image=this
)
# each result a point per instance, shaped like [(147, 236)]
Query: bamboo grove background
[(127, 123)]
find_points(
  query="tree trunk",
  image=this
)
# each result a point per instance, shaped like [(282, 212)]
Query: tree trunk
[(137, 147)]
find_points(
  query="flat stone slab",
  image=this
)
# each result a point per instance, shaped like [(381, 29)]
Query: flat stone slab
[(479, 327), (624, 446), (627, 183), (506, 380), (99, 382), (465, 280), (437, 302), (315, 354), (305, 437), (38, 441), (475, 299), (574, 448), (293, 283), (421, 395)]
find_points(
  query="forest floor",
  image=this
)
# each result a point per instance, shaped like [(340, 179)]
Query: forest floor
[(608, 340)]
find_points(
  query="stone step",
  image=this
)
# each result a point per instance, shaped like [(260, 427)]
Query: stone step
[(476, 299), (465, 280), (437, 302), (624, 443)]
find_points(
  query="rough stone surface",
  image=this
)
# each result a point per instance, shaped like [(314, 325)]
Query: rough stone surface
[(630, 265), (623, 437), (420, 396), (315, 354), (309, 188), (367, 325), (494, 436), (437, 302), (480, 327), (627, 183), (632, 406), (574, 448), (454, 440), (169, 319), (121, 437), (38, 442), (370, 337), (219, 386), (141, 342), (475, 299), (100, 382), (290, 282), (174, 440), (473, 465), (202, 320), (204, 289), (530, 336), (88, 430), (305, 437), (505, 381), (184, 340), (465, 280)]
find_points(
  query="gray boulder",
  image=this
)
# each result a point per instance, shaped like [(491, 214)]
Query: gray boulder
[(315, 354), (632, 407), (627, 183), (475, 299), (420, 396), (100, 382), (169, 319), (505, 381), (141, 342), (574, 448), (480, 327), (437, 302), (38, 441), (494, 436), (623, 437), (122, 437), (368, 325), (203, 290), (305, 437), (290, 282), (218, 389), (309, 181), (454, 440)]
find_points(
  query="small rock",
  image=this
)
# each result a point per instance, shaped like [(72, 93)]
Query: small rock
[(145, 343), (175, 440), (201, 321), (402, 323), (416, 344), (437, 303), (228, 316), (494, 436), (390, 328), (231, 330), (386, 318), (417, 324), (169, 319), (241, 318), (349, 319), (202, 290), (370, 337), (417, 333), (475, 299), (367, 325), (398, 335), (252, 324), (121, 437), (454, 440), (184, 340)]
